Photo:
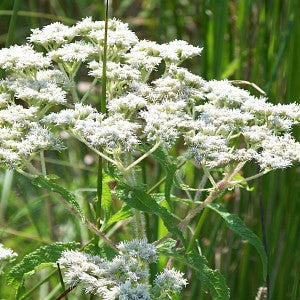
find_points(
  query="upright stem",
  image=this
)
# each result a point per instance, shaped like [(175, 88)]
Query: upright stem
[(103, 110), (61, 280), (103, 96), (263, 228)]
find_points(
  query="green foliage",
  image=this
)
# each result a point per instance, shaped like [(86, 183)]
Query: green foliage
[(106, 196), (237, 225), (139, 199), (123, 214), (170, 170), (211, 279), (47, 183)]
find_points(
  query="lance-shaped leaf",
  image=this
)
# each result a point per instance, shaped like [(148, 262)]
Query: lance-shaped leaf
[(211, 279), (237, 225), (139, 199), (50, 185), (123, 214)]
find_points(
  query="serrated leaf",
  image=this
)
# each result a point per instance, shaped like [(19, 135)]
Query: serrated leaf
[(50, 185), (213, 280), (139, 199), (123, 214), (238, 226), (40, 258), (169, 168)]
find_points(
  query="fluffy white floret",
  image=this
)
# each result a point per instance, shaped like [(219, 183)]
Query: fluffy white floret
[(52, 35), (74, 52), (171, 280), (7, 254), (20, 58), (178, 51)]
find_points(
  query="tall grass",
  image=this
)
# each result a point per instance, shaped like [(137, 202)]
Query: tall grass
[(254, 40)]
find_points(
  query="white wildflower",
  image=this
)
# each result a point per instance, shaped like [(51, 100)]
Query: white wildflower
[(139, 249), (123, 277), (20, 58), (114, 71), (113, 132), (168, 88), (222, 93), (165, 121), (52, 76), (52, 35), (144, 55), (7, 254), (129, 291), (278, 152), (74, 52), (36, 92), (119, 36), (211, 150), (170, 280), (129, 103), (70, 116), (86, 25), (178, 51)]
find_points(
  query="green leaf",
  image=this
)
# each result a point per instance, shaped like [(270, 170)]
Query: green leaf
[(139, 199), (50, 185), (123, 214), (170, 169), (238, 177), (104, 251), (38, 259), (106, 196), (237, 225), (211, 279)]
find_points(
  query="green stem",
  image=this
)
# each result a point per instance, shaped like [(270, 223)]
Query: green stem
[(61, 280), (99, 191), (197, 230), (103, 110), (104, 61)]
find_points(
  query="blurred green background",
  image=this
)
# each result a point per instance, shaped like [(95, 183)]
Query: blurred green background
[(252, 40)]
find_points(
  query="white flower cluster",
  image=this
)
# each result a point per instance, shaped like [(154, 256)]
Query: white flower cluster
[(125, 277), (219, 123), (21, 135), (6, 255)]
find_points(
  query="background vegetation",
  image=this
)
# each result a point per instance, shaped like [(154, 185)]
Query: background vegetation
[(254, 40)]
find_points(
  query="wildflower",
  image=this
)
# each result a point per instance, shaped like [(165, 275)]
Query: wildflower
[(73, 52), (170, 281), (177, 51), (21, 58), (52, 35), (6, 255)]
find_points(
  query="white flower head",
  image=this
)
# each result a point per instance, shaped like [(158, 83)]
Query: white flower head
[(128, 103), (114, 71), (52, 35), (171, 280), (178, 51), (73, 52), (139, 249), (20, 58), (7, 254)]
